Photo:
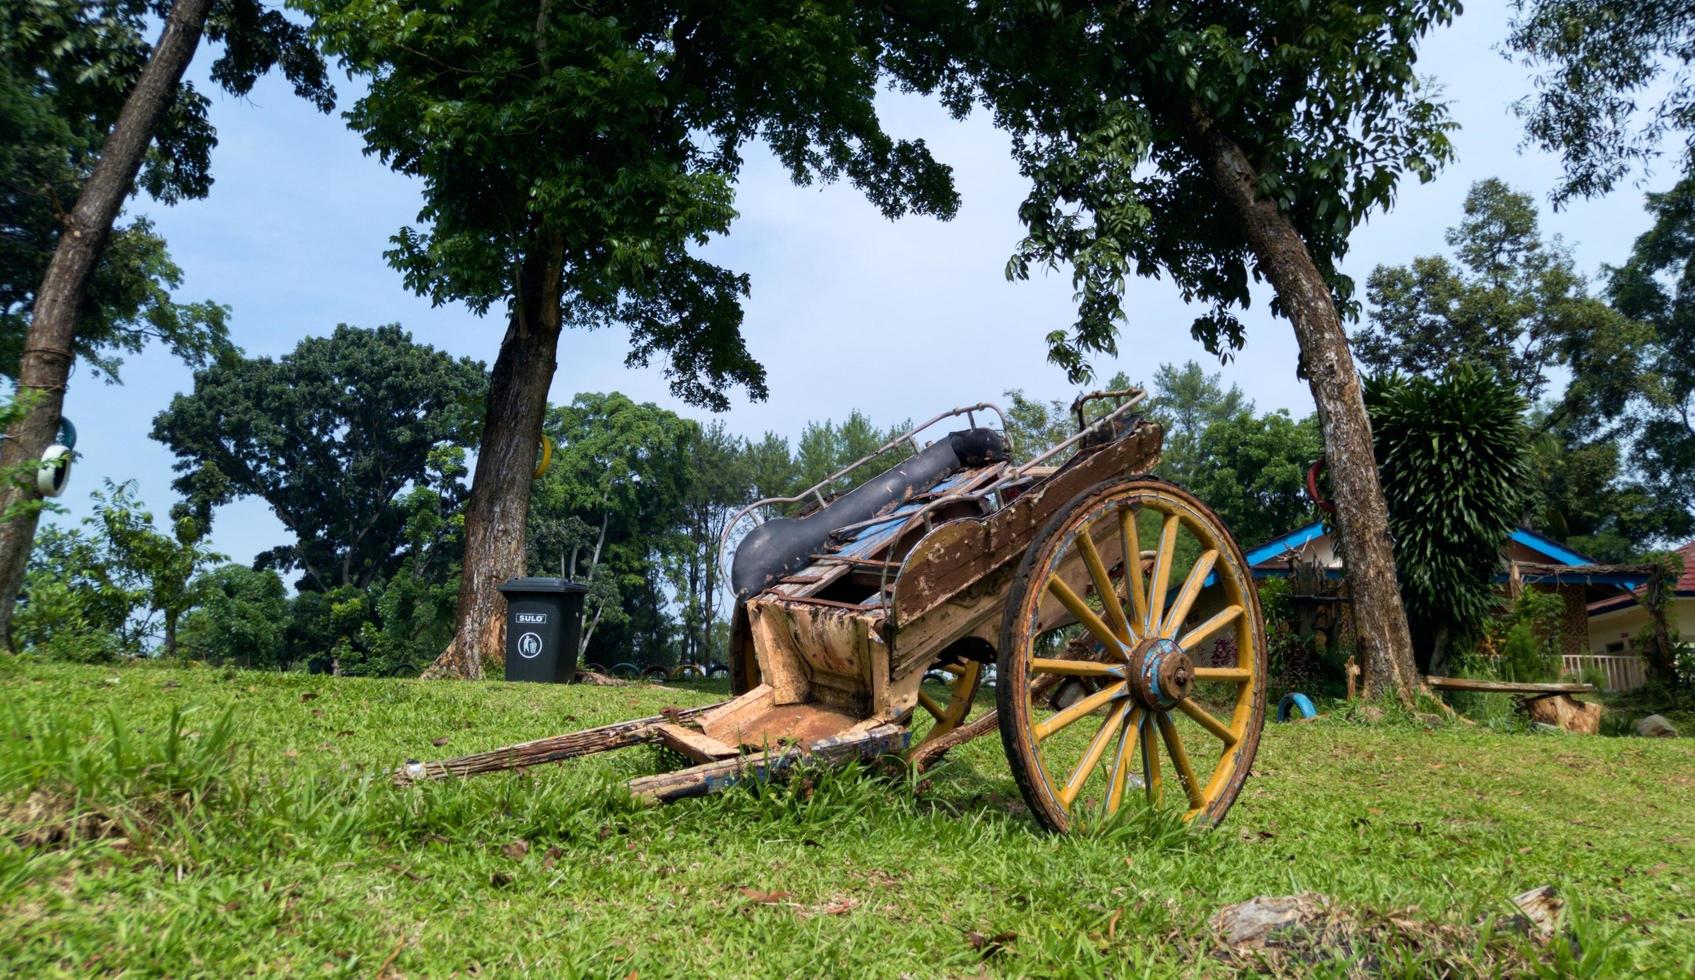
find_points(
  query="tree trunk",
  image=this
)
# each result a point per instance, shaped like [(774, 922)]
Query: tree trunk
[(49, 346), (499, 506), (1380, 620)]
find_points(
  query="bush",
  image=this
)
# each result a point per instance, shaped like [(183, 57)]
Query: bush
[(1526, 658), (1523, 644), (1454, 458)]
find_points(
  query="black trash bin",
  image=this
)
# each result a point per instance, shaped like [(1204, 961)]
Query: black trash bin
[(544, 621)]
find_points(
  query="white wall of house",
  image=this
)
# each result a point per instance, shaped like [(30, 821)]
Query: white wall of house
[(1615, 631)]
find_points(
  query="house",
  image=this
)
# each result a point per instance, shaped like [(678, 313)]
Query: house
[(1616, 622), (1308, 557)]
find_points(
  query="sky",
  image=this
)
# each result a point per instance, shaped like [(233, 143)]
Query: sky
[(848, 310)]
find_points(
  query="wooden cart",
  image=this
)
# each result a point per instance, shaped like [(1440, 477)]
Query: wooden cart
[(1114, 611)]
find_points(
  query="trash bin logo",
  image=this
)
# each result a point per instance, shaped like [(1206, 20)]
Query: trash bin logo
[(529, 645)]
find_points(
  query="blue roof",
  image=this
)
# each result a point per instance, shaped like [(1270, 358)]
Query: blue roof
[(1557, 554), (1286, 542), (1553, 549)]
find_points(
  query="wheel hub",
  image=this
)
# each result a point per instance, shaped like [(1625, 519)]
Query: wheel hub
[(1161, 673)]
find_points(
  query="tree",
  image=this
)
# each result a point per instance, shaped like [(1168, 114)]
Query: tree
[(1252, 472), (573, 158), (1512, 301), (612, 501), (75, 604), (1214, 143), (241, 615), (139, 95), (120, 577), (1612, 88), (1516, 303), (1582, 493), (1455, 461), (164, 565), (1657, 378), (720, 481), (331, 435), (1188, 402)]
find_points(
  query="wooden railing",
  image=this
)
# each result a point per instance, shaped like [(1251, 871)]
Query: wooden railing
[(1624, 672)]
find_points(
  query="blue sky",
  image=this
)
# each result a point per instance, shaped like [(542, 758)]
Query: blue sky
[(848, 310)]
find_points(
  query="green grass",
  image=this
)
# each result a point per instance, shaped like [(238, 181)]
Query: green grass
[(142, 832)]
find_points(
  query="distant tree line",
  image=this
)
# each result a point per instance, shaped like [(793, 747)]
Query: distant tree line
[(357, 442)]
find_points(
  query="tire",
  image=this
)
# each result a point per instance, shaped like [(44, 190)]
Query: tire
[(1295, 702)]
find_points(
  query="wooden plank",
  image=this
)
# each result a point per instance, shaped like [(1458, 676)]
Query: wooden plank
[(554, 748), (1506, 687), (725, 719), (715, 776), (691, 744)]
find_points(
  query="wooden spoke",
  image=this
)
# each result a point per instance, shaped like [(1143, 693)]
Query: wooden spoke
[(1204, 632), (1207, 721), (1191, 591), (1130, 542), (1150, 763), (1237, 674), (1092, 757), (1121, 760), (1075, 668), (1082, 707), (1075, 605), (1162, 573), (1180, 759), (950, 670), (930, 704), (1103, 587)]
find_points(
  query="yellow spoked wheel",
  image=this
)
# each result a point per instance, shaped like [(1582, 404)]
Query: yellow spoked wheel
[(944, 703), (1170, 644)]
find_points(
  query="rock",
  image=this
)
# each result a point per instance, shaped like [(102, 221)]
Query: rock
[(1539, 911), (1257, 921), (1656, 726)]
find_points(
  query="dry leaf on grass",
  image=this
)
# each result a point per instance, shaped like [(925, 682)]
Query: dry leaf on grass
[(990, 945), (837, 905), (516, 850), (759, 897)]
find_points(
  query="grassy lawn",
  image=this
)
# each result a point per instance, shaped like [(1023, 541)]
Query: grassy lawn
[(298, 856)]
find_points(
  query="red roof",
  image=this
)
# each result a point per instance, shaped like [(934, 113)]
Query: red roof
[(1685, 583)]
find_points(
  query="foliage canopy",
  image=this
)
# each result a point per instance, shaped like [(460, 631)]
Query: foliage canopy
[(608, 137), (330, 435), (1103, 100)]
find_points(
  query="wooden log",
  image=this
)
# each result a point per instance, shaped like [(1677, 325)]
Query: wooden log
[(555, 748), (715, 776), (1563, 712), (1506, 687)]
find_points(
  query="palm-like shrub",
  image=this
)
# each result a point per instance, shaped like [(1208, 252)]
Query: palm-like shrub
[(1453, 455)]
